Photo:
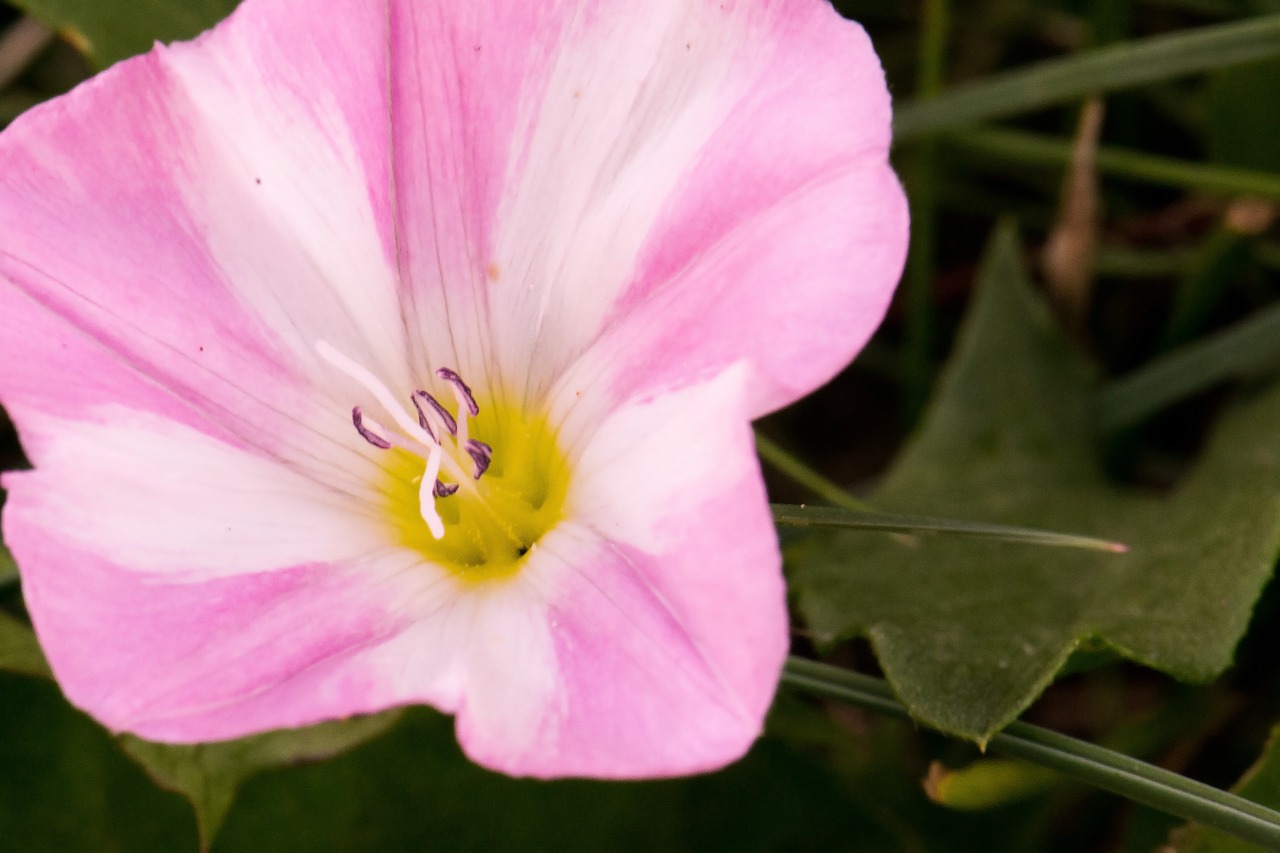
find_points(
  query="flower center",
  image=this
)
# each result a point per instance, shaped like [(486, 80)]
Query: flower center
[(471, 492)]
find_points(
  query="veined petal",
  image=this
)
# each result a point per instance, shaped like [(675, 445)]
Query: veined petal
[(232, 202), (289, 173), (784, 241), (161, 498), (795, 291), (122, 299), (186, 662), (673, 143), (662, 599)]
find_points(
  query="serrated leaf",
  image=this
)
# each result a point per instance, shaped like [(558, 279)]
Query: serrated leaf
[(208, 775), (19, 651), (969, 632), (1261, 784), (108, 32)]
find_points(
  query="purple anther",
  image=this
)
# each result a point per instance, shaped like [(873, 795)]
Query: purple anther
[(420, 397), (451, 376), (481, 454), (357, 418), (443, 490), (423, 420)]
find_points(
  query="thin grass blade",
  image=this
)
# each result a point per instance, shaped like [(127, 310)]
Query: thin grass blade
[(1249, 346), (1121, 66), (790, 515)]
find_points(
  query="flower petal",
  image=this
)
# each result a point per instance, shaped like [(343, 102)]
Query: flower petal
[(231, 204), (663, 600), (720, 168), (797, 291), (161, 498), (289, 174), (120, 302), (187, 662)]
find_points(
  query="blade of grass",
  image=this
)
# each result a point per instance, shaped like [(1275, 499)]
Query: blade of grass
[(1001, 146), (921, 176), (806, 477), (1236, 351), (1129, 262), (1123, 65), (1110, 771), (789, 515)]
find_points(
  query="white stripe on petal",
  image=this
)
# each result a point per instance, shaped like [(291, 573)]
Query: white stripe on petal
[(657, 459), (285, 201), (630, 103), (156, 496)]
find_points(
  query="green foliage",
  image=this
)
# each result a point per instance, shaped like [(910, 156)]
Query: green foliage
[(107, 32), (1074, 77), (811, 786), (206, 774), (998, 147), (8, 568), (1244, 116), (19, 651), (1261, 784), (988, 782), (209, 774), (802, 516), (969, 632), (1249, 347), (66, 787)]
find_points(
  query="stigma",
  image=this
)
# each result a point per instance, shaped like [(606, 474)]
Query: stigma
[(452, 459)]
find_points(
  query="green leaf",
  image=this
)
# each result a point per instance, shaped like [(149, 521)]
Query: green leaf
[(65, 786), (1109, 770), (1074, 77), (817, 789), (209, 774), (19, 651), (970, 631), (108, 32), (1261, 784)]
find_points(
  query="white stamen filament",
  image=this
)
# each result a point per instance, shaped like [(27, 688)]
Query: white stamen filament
[(435, 456), (426, 493), (378, 390)]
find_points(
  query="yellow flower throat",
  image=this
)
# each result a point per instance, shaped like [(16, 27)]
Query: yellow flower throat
[(488, 529), (471, 496)]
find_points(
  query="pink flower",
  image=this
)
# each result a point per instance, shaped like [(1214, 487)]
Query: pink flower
[(236, 277)]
